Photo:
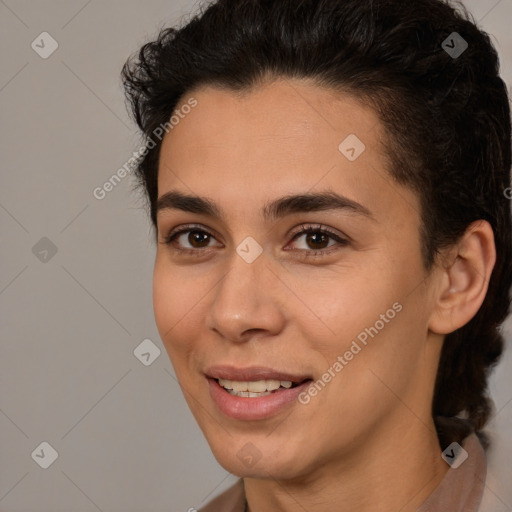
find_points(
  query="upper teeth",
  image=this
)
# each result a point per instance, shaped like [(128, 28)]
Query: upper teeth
[(258, 386)]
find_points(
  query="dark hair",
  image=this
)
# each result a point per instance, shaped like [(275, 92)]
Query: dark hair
[(447, 121)]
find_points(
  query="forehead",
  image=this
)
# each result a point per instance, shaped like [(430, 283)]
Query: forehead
[(283, 110), (287, 136)]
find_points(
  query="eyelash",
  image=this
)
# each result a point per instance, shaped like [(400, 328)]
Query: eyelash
[(304, 230)]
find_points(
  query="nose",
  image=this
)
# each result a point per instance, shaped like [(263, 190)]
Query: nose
[(249, 299)]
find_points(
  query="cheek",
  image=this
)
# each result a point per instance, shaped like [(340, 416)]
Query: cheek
[(384, 359), (163, 301), (336, 306), (173, 302), (374, 317)]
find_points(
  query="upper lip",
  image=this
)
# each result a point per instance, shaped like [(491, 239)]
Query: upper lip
[(253, 373)]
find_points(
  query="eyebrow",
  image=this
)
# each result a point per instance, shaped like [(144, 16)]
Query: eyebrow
[(278, 208)]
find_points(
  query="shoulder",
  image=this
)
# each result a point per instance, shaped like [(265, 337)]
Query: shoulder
[(231, 500)]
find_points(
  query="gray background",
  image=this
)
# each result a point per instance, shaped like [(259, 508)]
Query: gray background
[(125, 438)]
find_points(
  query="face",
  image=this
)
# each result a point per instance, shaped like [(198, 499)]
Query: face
[(240, 293)]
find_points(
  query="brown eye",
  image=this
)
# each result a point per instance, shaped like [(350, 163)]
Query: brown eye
[(316, 238), (198, 237), (190, 239)]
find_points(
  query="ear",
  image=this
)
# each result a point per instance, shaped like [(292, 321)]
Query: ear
[(464, 279)]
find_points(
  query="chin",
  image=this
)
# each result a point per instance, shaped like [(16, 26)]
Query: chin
[(257, 459)]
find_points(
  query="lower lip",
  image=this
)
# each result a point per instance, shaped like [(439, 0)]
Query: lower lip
[(245, 408)]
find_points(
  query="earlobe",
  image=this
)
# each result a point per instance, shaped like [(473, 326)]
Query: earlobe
[(464, 279)]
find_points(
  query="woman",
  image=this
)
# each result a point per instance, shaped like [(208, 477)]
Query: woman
[(333, 245)]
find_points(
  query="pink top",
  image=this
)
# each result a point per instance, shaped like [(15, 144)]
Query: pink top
[(461, 489)]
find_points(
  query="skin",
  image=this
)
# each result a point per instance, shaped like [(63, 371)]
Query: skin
[(367, 440)]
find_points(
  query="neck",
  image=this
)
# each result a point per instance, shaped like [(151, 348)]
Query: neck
[(396, 469)]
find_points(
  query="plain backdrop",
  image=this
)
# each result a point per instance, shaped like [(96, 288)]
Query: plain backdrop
[(76, 276)]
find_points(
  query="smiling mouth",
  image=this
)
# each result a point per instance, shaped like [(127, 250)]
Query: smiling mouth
[(255, 389), (259, 394)]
